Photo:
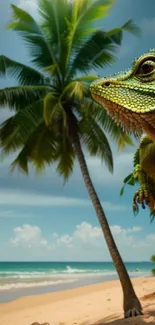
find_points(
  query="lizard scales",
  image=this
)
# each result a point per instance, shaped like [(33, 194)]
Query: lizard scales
[(129, 97)]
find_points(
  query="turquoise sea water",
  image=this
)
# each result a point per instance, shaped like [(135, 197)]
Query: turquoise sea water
[(20, 275)]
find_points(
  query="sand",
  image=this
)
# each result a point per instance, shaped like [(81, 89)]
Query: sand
[(93, 304)]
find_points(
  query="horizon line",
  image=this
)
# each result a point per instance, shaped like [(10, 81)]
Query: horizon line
[(67, 261)]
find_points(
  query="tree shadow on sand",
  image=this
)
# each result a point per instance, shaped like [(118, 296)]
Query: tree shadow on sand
[(138, 320), (148, 302)]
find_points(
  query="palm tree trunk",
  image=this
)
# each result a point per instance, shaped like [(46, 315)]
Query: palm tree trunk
[(131, 304)]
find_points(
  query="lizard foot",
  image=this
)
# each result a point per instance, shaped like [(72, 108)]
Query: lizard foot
[(143, 196)]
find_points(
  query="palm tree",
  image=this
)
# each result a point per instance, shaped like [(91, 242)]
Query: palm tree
[(54, 115)]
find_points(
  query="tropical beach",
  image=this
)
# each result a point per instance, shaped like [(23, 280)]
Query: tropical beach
[(93, 304), (18, 279), (75, 254), (70, 292)]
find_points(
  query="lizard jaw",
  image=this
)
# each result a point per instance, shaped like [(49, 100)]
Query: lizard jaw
[(129, 121)]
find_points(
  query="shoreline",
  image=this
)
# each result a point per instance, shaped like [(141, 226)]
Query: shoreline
[(74, 306), (58, 295), (19, 279), (12, 294)]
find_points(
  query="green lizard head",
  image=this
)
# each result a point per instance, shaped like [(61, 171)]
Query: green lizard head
[(129, 97)]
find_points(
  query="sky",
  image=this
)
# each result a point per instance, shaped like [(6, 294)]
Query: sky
[(43, 219)]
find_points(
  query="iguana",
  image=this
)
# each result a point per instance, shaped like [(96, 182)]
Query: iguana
[(129, 98)]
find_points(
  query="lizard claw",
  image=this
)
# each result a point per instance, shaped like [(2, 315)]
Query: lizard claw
[(144, 197), (135, 207)]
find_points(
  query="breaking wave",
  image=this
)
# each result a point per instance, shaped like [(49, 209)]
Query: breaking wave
[(19, 279)]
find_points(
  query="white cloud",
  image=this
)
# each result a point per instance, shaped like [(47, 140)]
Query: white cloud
[(86, 230), (85, 236), (84, 233), (28, 236), (136, 229), (64, 240), (118, 229), (86, 242)]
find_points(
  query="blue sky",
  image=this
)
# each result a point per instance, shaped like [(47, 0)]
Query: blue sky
[(40, 218)]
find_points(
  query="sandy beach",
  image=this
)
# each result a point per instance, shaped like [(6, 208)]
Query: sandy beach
[(99, 303)]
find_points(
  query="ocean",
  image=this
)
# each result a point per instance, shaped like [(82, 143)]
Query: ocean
[(27, 278)]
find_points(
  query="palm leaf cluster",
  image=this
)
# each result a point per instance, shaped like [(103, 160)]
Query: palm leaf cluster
[(51, 101)]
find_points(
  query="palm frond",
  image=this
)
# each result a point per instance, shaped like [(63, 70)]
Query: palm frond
[(87, 12), (41, 52), (96, 52), (10, 139), (66, 156), (50, 108), (38, 150), (16, 130), (124, 140), (54, 15), (55, 116), (80, 24), (51, 69), (131, 27), (96, 141), (23, 74), (44, 147), (51, 20), (99, 42), (116, 34), (89, 78), (19, 97), (75, 89), (21, 161)]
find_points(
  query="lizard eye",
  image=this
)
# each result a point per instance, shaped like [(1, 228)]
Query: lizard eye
[(146, 68)]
